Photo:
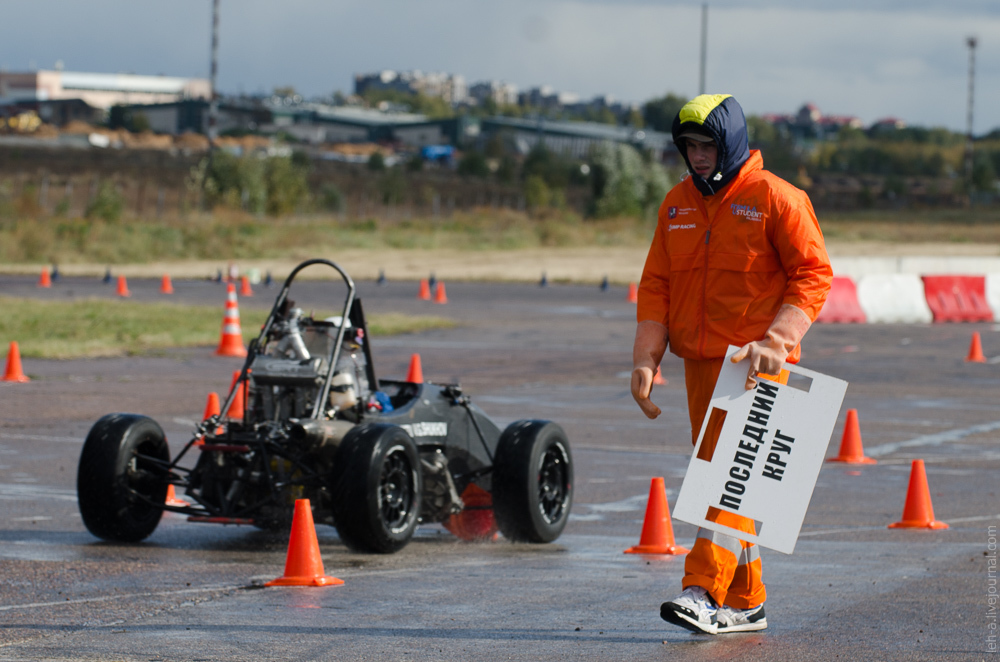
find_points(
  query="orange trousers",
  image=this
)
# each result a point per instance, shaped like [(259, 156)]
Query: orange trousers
[(727, 567)]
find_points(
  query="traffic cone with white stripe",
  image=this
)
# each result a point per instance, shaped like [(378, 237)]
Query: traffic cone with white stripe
[(231, 342)]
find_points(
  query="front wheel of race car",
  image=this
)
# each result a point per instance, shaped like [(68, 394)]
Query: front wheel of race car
[(122, 478), (376, 485), (532, 481)]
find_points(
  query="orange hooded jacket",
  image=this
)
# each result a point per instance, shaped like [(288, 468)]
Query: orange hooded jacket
[(721, 266)]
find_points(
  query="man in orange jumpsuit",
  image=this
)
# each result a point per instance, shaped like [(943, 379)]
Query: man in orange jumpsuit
[(737, 259)]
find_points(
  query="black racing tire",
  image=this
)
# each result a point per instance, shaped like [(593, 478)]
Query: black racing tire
[(114, 478), (377, 485), (532, 481)]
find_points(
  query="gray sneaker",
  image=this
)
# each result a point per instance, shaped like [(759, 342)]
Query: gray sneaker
[(693, 609), (730, 619)]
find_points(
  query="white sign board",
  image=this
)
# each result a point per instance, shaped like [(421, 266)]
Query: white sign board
[(767, 456)]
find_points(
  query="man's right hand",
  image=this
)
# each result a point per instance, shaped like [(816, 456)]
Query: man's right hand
[(647, 352), (642, 385)]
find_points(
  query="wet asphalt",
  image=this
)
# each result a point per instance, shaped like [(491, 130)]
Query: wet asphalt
[(853, 589)]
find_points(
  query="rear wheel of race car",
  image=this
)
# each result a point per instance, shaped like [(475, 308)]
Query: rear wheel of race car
[(376, 486), (532, 481), (122, 480)]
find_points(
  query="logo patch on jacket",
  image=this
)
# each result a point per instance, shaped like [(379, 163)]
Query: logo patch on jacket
[(748, 212), (671, 212)]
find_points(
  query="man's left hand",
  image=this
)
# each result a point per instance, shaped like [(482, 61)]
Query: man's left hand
[(765, 358)]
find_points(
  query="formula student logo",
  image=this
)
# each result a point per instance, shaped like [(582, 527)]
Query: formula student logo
[(748, 212)]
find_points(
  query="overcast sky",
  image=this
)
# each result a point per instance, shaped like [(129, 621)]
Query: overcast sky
[(872, 59)]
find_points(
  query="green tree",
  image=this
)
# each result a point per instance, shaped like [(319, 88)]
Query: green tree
[(537, 194), (376, 162), (625, 184), (108, 204), (659, 113), (984, 177), (287, 185), (473, 164)]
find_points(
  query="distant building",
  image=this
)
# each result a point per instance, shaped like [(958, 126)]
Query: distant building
[(809, 123), (191, 115), (502, 94), (97, 90), (448, 87), (888, 124), (575, 139), (319, 123), (547, 97)]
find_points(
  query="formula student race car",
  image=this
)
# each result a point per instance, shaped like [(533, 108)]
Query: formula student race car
[(374, 457)]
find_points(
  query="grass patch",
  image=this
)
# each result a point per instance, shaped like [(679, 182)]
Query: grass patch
[(96, 328), (229, 235)]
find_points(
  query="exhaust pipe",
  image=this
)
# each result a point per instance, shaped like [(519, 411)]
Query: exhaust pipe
[(318, 433)]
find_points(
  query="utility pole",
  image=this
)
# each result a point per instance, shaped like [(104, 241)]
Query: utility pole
[(704, 48), (971, 42), (213, 103)]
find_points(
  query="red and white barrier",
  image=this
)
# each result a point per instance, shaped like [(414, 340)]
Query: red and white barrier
[(894, 299), (957, 298), (842, 305), (993, 294)]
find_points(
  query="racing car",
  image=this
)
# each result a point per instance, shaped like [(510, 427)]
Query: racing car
[(375, 457)]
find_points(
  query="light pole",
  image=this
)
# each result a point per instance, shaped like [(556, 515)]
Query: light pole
[(704, 48), (213, 102), (971, 42)]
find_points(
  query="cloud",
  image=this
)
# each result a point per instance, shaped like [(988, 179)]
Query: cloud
[(871, 59)]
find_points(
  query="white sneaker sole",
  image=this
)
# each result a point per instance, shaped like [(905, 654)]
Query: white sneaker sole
[(743, 627), (673, 615)]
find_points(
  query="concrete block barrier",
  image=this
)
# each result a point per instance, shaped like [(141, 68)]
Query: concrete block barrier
[(894, 299), (993, 293)]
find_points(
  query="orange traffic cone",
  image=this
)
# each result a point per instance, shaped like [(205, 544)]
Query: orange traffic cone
[(303, 564), (211, 409), (245, 290), (166, 287), (211, 406), (476, 521), (231, 341), (851, 451), (415, 375), (425, 290), (14, 373), (975, 350), (633, 293), (657, 533), (658, 379), (123, 287), (45, 280), (172, 499), (238, 408), (439, 295), (918, 512)]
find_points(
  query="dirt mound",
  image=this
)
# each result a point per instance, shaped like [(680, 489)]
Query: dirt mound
[(191, 141)]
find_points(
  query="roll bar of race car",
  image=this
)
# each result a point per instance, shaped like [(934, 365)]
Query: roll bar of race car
[(257, 343)]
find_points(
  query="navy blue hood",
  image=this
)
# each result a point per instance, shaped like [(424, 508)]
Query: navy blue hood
[(720, 117)]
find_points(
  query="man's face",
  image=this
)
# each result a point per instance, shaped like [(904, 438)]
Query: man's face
[(703, 157)]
